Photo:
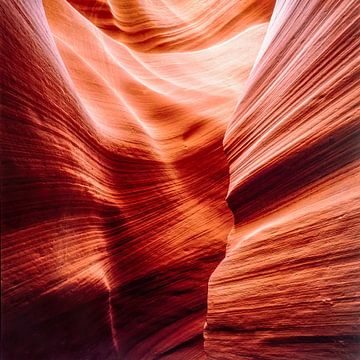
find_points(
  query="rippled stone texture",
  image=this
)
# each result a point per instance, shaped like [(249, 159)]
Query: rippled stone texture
[(288, 287), (173, 25), (114, 212), (114, 179)]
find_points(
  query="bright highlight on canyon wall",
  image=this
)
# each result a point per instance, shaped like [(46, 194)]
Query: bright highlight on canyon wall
[(180, 179)]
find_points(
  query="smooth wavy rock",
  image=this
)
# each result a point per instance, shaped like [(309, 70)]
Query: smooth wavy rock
[(114, 176), (289, 285), (173, 25)]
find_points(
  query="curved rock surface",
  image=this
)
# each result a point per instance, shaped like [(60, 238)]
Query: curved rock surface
[(114, 180), (114, 212), (289, 285), (173, 25)]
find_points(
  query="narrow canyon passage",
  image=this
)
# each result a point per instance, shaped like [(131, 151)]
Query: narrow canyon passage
[(115, 177), (180, 180)]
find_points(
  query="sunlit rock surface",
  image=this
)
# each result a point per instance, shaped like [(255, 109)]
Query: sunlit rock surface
[(289, 285), (114, 180), (114, 212)]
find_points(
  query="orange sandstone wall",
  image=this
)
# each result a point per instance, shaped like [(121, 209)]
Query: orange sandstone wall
[(114, 176), (114, 179), (289, 285)]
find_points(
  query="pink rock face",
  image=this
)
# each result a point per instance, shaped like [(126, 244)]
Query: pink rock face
[(114, 180), (288, 287)]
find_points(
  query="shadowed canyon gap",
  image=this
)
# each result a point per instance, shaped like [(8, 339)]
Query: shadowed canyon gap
[(180, 179)]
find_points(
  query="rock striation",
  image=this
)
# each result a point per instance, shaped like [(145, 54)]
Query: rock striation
[(149, 146), (114, 212), (289, 285)]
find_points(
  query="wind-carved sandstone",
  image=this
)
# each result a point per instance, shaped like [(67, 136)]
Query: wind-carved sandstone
[(116, 175)]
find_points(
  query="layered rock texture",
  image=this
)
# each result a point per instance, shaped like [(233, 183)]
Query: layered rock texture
[(178, 170), (289, 285)]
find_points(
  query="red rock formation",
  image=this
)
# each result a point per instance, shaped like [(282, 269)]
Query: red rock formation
[(114, 180), (289, 285), (173, 25), (114, 177)]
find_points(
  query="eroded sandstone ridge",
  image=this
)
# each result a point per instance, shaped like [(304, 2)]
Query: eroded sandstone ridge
[(114, 179), (289, 285), (114, 212)]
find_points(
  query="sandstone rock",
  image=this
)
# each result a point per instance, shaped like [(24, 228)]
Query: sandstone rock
[(288, 287)]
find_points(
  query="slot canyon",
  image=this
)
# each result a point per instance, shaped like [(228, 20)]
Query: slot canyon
[(180, 179)]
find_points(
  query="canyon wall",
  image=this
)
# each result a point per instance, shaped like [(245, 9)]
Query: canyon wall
[(149, 146), (114, 212), (289, 285)]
